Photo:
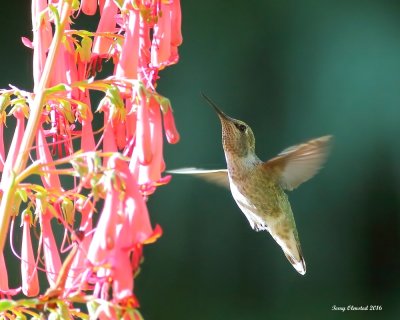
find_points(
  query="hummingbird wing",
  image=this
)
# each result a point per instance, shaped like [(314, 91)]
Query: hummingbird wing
[(299, 163), (218, 176)]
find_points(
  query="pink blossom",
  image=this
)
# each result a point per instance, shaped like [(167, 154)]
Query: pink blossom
[(2, 152), (124, 224), (49, 179), (122, 280), (143, 138), (102, 45), (87, 142), (167, 36), (142, 38), (131, 119), (30, 280), (3, 275), (78, 265), (128, 62), (169, 126), (42, 36), (109, 141), (176, 21), (49, 246), (14, 148), (65, 71), (89, 7), (104, 237), (152, 171), (5, 291), (136, 227)]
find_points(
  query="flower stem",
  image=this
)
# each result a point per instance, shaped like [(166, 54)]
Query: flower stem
[(6, 205)]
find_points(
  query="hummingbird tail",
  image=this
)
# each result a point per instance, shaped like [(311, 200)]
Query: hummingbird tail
[(299, 265), (290, 246)]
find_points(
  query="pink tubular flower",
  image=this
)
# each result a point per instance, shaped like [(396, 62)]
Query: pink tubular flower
[(131, 120), (3, 276), (49, 179), (128, 62), (30, 280), (14, 148), (89, 7), (105, 235), (2, 152), (42, 36), (124, 224), (169, 126), (109, 141), (122, 280), (102, 45), (167, 36), (111, 168), (49, 246), (143, 138), (136, 227), (152, 171), (161, 46), (78, 265), (87, 142)]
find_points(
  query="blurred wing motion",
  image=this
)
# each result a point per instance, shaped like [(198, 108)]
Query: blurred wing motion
[(219, 177), (299, 163)]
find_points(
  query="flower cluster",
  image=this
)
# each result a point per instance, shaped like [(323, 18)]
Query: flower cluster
[(107, 173)]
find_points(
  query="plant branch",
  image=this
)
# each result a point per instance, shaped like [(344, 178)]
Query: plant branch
[(7, 200)]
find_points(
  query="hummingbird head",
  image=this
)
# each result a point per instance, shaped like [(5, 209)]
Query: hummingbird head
[(237, 136)]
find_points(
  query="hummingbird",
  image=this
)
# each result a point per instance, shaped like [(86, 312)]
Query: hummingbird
[(258, 187)]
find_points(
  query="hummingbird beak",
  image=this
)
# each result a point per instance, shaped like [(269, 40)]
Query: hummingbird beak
[(221, 115)]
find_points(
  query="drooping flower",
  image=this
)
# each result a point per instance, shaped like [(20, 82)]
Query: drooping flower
[(2, 151), (42, 36), (102, 45), (49, 179), (50, 249), (150, 171), (89, 7), (14, 147), (169, 125), (143, 137), (142, 38), (167, 36), (127, 66), (75, 276), (30, 279)]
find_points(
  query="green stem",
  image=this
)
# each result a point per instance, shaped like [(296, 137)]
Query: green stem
[(19, 165)]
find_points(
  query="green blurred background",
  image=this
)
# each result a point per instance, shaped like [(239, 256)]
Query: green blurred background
[(292, 70)]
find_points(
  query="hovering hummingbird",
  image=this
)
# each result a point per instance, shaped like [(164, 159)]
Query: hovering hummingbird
[(258, 187)]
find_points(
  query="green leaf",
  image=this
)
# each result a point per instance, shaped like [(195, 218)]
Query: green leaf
[(54, 10), (59, 87), (63, 311), (29, 303), (4, 101), (92, 307), (86, 51), (75, 5), (120, 3), (114, 96), (67, 111), (22, 194), (138, 314), (6, 305), (82, 109), (68, 210)]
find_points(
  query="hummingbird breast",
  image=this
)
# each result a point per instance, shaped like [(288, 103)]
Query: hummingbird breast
[(257, 196), (265, 205)]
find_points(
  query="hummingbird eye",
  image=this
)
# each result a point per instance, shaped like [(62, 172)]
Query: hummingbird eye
[(241, 127)]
